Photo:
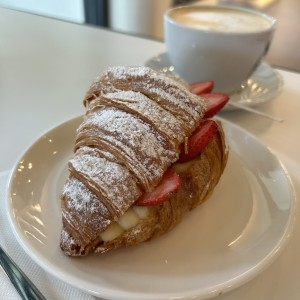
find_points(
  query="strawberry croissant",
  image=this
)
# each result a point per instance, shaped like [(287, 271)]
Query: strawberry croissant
[(145, 155)]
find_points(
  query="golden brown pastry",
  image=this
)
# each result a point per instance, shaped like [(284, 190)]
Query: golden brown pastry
[(136, 123)]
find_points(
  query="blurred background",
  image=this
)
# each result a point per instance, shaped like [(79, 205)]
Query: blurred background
[(145, 19)]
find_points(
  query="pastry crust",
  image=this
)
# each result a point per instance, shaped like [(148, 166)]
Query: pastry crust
[(136, 119)]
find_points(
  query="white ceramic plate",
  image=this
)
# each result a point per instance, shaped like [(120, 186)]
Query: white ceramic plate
[(217, 247), (264, 84)]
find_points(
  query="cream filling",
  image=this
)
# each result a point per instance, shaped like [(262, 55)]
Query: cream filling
[(129, 220)]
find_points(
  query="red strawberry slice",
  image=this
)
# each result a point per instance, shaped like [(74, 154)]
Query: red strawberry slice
[(202, 87), (215, 102), (198, 140), (169, 183)]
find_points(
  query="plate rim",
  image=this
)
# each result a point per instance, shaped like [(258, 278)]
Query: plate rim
[(224, 287)]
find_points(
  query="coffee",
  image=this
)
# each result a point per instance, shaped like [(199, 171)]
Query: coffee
[(229, 46), (221, 19)]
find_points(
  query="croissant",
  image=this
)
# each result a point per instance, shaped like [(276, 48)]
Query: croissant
[(136, 126)]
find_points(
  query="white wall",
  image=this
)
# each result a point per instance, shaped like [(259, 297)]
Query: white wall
[(69, 10), (144, 17)]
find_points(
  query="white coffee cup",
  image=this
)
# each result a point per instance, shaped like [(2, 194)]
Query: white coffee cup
[(220, 43)]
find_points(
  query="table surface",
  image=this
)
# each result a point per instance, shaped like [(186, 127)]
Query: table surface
[(46, 66)]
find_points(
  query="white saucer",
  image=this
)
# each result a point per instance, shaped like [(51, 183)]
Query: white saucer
[(264, 84), (209, 253)]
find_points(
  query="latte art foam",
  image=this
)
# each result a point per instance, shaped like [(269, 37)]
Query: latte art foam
[(221, 20)]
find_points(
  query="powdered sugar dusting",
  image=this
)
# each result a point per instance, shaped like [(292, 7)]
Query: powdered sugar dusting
[(148, 151), (173, 128), (111, 180), (82, 209), (159, 86)]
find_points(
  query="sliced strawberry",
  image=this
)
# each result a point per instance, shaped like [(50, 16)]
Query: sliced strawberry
[(198, 140), (202, 87), (169, 183), (215, 102)]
